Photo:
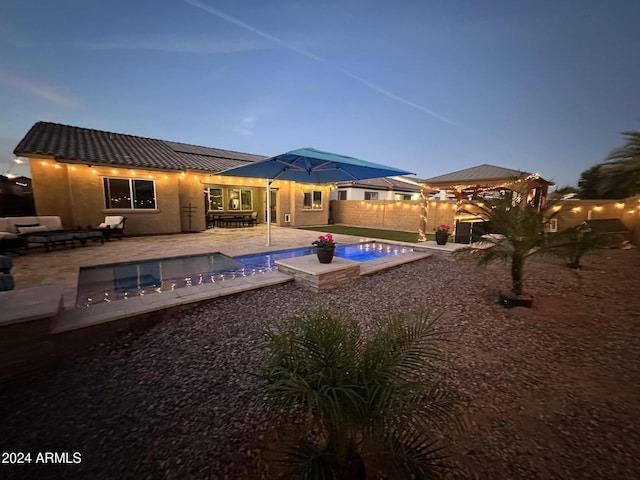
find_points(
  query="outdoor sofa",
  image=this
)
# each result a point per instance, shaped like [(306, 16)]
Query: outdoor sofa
[(21, 232)]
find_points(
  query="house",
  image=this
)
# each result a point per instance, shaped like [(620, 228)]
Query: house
[(389, 188), (16, 197), (82, 175)]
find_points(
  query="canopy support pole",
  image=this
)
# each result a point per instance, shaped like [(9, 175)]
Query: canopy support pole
[(269, 211)]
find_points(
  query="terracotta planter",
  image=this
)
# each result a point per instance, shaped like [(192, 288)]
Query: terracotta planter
[(442, 238), (325, 255)]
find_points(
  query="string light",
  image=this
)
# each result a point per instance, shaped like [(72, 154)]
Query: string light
[(459, 190)]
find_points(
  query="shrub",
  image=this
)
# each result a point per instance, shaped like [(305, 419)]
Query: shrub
[(366, 399)]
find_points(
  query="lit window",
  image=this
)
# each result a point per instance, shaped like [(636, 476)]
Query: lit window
[(129, 193), (215, 199), (312, 200), (371, 195), (401, 196), (240, 199)]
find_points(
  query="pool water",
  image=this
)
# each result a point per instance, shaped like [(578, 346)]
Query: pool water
[(118, 281)]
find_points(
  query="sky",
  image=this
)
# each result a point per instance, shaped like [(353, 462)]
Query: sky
[(427, 86)]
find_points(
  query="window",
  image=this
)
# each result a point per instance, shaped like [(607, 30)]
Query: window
[(129, 193), (215, 199), (240, 199), (312, 200), (342, 194), (402, 196), (371, 195)]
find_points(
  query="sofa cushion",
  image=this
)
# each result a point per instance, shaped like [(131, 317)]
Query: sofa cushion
[(13, 221), (4, 224), (112, 221), (31, 228), (51, 222)]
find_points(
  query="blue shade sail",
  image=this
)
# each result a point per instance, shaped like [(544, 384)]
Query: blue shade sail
[(308, 165)]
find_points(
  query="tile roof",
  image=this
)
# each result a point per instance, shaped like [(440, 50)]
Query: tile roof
[(387, 183), (88, 146), (481, 172)]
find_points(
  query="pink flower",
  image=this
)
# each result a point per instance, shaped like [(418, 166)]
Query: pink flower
[(324, 241)]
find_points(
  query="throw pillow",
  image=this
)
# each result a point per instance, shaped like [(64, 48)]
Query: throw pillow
[(33, 229)]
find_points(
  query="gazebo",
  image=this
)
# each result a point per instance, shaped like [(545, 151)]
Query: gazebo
[(476, 182)]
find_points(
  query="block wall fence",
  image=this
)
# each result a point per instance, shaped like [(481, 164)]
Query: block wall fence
[(405, 215), (402, 215)]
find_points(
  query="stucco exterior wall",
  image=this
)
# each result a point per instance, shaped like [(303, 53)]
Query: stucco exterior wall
[(300, 216), (191, 202), (51, 191), (75, 192)]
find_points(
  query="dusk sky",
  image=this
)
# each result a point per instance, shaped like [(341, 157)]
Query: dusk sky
[(426, 86)]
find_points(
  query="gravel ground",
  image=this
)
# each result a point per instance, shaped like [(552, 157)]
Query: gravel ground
[(547, 392)]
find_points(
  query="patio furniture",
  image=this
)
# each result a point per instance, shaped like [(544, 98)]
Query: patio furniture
[(89, 234), (6, 280), (49, 239), (253, 220), (63, 237), (234, 219), (13, 230), (11, 243), (113, 227)]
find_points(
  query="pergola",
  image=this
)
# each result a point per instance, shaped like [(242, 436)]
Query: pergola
[(477, 181)]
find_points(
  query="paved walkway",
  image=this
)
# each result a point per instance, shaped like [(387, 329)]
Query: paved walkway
[(61, 265)]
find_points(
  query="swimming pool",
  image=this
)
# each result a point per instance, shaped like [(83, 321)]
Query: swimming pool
[(118, 281)]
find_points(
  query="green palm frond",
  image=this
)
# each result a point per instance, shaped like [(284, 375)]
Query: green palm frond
[(521, 227), (619, 174), (410, 453), (356, 391), (305, 462)]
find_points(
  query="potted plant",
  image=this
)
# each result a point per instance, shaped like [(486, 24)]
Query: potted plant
[(442, 234), (325, 248)]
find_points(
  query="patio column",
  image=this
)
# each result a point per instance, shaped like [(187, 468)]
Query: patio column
[(424, 213), (459, 199)]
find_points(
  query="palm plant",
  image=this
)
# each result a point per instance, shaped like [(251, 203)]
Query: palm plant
[(364, 399), (620, 171), (521, 232), (573, 243)]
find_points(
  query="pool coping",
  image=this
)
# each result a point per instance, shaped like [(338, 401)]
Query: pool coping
[(84, 317)]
